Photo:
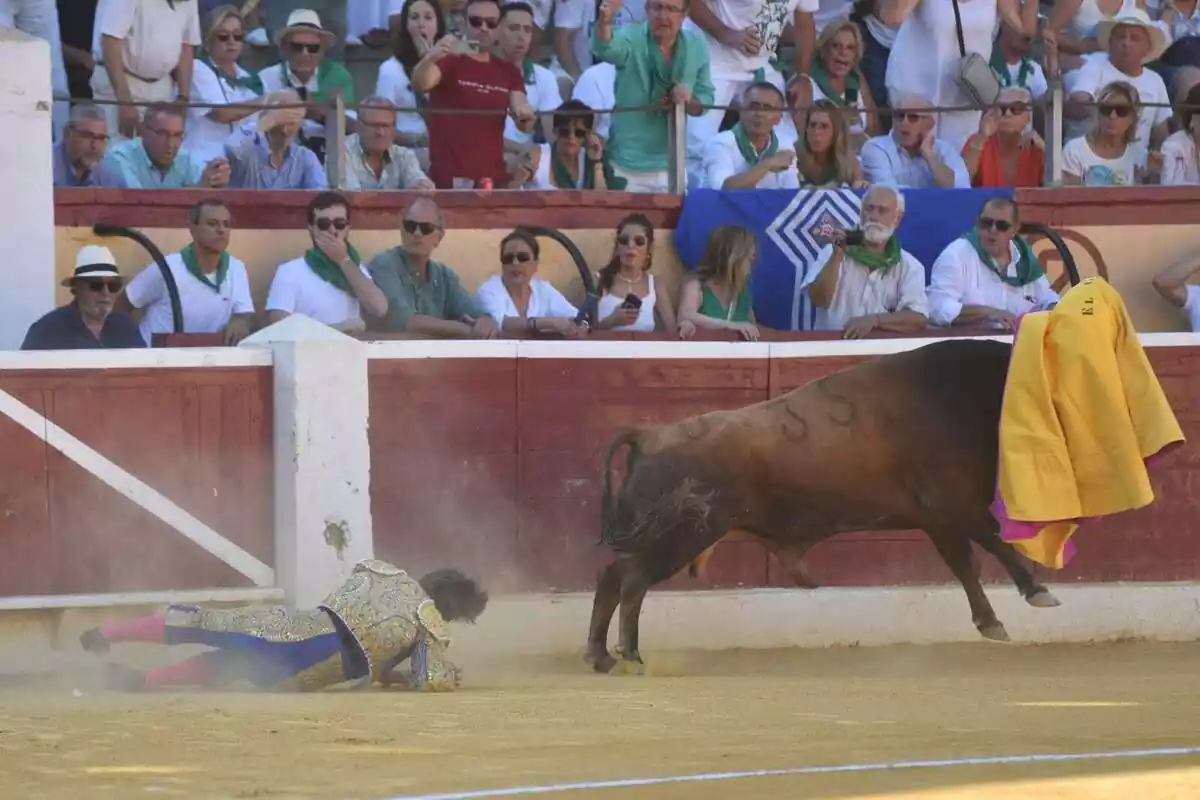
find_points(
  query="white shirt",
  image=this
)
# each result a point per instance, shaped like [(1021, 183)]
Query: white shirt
[(280, 76), (1035, 79), (1192, 307), (206, 138), (546, 301), (1079, 160), (394, 84), (1180, 165), (543, 94), (543, 176), (723, 159), (861, 291), (204, 311), (645, 318), (596, 88), (884, 161), (296, 289), (831, 11), (580, 16), (153, 33), (770, 17), (1097, 73), (960, 279)]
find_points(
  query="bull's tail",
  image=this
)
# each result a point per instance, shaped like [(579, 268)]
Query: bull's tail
[(626, 437)]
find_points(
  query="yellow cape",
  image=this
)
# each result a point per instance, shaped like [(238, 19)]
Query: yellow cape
[(1082, 411)]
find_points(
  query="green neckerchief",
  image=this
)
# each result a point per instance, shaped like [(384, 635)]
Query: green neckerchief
[(527, 70), (884, 261), (561, 178), (328, 270), (1000, 67), (821, 79), (188, 254), (330, 75), (251, 82), (662, 77), (746, 148), (1028, 267)]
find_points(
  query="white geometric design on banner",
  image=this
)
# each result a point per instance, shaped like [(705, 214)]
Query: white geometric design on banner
[(803, 228)]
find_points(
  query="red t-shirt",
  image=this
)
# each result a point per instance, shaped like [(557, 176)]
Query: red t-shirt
[(470, 146)]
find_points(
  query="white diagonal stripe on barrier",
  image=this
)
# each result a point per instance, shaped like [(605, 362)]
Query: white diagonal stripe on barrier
[(135, 489)]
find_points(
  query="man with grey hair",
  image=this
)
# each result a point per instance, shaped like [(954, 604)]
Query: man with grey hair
[(157, 158), (864, 281), (912, 156), (84, 141), (373, 160), (1005, 151), (425, 296), (270, 157)]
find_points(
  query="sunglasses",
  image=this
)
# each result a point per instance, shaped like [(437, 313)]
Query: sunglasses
[(910, 116), (1107, 110), (99, 286), (573, 133), (425, 228), (637, 240), (311, 49), (1001, 225), (516, 258), (479, 22), (226, 36), (324, 223), (1013, 109)]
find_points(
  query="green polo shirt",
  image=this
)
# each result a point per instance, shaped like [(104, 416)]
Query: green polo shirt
[(638, 140), (440, 295)]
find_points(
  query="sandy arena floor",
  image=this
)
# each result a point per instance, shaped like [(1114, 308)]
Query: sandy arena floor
[(550, 722)]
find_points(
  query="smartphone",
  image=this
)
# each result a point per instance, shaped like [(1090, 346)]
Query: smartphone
[(465, 46), (854, 238), (632, 301)]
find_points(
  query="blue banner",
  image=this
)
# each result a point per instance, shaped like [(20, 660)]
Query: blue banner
[(792, 227)]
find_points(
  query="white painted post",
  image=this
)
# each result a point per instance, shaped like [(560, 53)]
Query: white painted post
[(27, 233), (322, 456)]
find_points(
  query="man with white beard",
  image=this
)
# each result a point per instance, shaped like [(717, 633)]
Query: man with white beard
[(864, 282)]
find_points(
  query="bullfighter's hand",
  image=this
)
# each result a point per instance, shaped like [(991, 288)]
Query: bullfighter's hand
[(748, 330), (861, 327), (687, 329), (485, 328)]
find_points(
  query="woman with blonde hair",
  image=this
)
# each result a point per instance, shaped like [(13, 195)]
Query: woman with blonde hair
[(1110, 153), (717, 295), (824, 158), (835, 77), (218, 79)]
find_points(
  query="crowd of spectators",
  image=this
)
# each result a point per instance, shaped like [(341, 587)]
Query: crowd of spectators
[(479, 94)]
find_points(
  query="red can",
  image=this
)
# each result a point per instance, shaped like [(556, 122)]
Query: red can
[(485, 184)]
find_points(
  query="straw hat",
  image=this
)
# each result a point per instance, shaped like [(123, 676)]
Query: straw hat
[(307, 21), (1138, 19), (93, 261)]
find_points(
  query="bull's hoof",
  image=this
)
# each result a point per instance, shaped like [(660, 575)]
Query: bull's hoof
[(601, 662), (93, 641), (994, 631), (629, 666), (1041, 598)]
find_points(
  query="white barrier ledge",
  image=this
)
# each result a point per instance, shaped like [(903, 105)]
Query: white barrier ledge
[(119, 599), (149, 358), (775, 618)]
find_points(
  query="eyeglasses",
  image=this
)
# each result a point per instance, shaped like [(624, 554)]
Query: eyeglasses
[(1001, 225), (1108, 109), (637, 240), (226, 36), (311, 49), (1013, 109), (573, 133), (99, 286), (426, 228), (521, 257), (170, 136), (339, 223), (479, 22), (909, 116)]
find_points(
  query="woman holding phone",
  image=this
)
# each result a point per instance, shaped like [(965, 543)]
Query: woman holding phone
[(629, 299)]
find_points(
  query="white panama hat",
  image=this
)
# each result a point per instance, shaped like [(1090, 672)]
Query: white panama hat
[(93, 261), (307, 20), (1138, 19)]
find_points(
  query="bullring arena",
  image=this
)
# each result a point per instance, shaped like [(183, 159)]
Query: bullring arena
[(486, 455)]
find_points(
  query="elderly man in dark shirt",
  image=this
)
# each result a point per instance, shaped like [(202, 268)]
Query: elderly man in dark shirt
[(88, 322)]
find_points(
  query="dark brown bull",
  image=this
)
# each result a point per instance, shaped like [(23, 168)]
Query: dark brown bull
[(902, 442)]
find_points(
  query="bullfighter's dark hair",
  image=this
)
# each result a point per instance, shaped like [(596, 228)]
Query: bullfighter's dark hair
[(401, 41), (457, 597), (609, 273), (325, 200), (522, 235)]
